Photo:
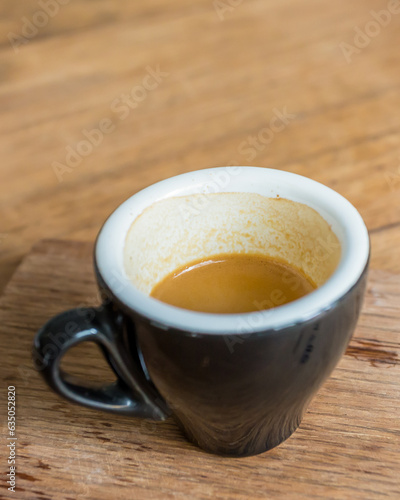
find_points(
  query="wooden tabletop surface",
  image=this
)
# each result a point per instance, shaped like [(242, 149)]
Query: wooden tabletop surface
[(100, 98), (346, 448)]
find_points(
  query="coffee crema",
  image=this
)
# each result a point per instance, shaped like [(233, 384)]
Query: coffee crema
[(233, 283)]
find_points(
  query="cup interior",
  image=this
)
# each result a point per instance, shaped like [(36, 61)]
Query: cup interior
[(232, 210), (176, 231)]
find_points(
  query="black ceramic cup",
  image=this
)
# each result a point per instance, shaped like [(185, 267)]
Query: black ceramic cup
[(237, 384)]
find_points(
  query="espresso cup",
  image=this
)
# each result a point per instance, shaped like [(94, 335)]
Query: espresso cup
[(237, 384)]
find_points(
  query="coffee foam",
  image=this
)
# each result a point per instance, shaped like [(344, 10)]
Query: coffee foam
[(176, 231)]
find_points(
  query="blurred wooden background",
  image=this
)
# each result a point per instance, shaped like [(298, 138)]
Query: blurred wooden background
[(227, 66)]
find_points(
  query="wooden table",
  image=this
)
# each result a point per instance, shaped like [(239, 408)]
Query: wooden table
[(100, 99)]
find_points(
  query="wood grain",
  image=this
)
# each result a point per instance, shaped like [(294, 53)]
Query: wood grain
[(348, 445), (225, 79)]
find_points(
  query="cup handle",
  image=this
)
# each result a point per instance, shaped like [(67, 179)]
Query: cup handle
[(131, 394)]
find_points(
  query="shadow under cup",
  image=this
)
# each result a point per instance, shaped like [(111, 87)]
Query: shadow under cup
[(237, 384)]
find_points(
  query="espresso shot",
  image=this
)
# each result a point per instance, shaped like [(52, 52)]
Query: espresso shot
[(233, 283)]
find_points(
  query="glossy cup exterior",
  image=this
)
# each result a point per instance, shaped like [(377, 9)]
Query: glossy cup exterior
[(237, 391), (242, 394)]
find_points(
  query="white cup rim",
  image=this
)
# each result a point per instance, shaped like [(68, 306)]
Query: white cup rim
[(334, 208)]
